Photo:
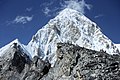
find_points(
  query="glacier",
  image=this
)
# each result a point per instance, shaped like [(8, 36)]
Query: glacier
[(69, 26)]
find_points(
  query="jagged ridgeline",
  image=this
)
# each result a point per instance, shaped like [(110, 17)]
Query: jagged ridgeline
[(73, 63), (69, 47)]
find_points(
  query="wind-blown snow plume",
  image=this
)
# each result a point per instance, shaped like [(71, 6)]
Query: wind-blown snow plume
[(77, 5), (72, 4)]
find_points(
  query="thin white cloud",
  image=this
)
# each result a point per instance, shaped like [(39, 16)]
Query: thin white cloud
[(46, 11), (76, 5), (98, 16), (79, 5), (46, 8), (50, 12), (47, 4), (29, 9), (22, 19)]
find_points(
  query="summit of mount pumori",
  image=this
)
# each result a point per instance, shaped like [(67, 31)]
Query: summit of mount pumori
[(69, 26)]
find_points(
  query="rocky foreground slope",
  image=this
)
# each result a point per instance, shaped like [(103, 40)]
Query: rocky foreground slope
[(16, 65), (73, 63)]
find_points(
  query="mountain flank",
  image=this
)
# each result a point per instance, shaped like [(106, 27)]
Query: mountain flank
[(73, 63)]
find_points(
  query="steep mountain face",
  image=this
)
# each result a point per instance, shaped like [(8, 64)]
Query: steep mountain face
[(72, 27), (17, 65)]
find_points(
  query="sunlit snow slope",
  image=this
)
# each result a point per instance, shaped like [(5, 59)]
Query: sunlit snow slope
[(73, 27)]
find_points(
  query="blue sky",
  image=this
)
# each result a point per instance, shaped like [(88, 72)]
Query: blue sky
[(23, 18)]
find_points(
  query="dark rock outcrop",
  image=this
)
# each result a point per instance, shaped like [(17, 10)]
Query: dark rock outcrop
[(73, 63), (77, 63), (16, 65)]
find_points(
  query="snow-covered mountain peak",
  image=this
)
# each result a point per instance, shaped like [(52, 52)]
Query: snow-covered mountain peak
[(73, 27), (14, 41), (70, 15), (69, 26), (8, 46), (11, 46), (68, 12)]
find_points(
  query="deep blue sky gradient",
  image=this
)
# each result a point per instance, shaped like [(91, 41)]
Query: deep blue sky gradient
[(108, 10)]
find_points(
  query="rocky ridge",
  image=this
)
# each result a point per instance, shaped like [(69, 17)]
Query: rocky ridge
[(73, 63), (78, 63), (16, 65)]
